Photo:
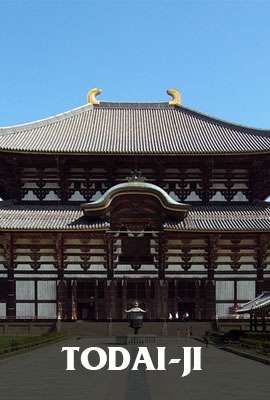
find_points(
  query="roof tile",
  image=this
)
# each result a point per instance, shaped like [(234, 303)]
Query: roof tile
[(133, 128)]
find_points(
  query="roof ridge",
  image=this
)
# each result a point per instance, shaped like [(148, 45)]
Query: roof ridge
[(137, 105)]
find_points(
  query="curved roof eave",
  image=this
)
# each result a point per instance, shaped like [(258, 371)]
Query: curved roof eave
[(135, 187)]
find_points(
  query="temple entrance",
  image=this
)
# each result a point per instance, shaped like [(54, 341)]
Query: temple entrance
[(175, 299), (86, 306), (136, 291), (86, 311)]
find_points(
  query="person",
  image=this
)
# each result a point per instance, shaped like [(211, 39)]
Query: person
[(185, 316)]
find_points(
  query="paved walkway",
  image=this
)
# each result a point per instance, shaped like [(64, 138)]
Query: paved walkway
[(41, 375)]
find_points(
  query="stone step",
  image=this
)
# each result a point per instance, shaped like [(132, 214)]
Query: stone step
[(102, 329)]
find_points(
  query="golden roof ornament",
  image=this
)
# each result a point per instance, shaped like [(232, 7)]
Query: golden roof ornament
[(176, 97), (91, 96), (136, 176)]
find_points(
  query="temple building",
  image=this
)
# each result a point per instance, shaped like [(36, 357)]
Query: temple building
[(112, 202)]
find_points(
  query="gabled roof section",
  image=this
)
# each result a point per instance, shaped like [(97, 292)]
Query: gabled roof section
[(136, 187), (134, 128)]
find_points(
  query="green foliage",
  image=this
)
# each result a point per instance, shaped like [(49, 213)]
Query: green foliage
[(13, 343)]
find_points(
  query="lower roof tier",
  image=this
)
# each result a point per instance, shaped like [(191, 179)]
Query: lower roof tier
[(251, 218)]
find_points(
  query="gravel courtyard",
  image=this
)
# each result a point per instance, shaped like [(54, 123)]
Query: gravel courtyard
[(41, 374)]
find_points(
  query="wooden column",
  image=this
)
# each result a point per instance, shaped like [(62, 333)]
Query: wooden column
[(163, 299), (148, 305), (109, 256), (110, 299), (96, 299), (262, 242), (62, 284), (124, 298), (198, 305), (209, 289), (9, 256), (62, 300), (74, 300), (175, 299), (158, 305), (161, 256)]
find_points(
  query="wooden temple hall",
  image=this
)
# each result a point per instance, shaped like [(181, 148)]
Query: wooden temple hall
[(114, 202)]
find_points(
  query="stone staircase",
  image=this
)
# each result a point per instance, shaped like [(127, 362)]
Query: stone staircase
[(106, 329)]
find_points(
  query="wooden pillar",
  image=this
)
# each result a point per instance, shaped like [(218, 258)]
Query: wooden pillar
[(198, 299), (62, 306), (163, 299), (148, 298), (124, 298), (109, 256), (161, 256), (261, 262), (96, 299), (175, 299), (209, 289), (158, 306), (9, 256), (110, 299), (74, 300), (62, 300)]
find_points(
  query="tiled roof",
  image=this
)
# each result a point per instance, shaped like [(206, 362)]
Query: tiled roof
[(203, 219), (133, 128), (260, 302), (46, 218), (225, 218)]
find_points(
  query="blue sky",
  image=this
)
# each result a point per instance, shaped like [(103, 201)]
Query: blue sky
[(215, 52)]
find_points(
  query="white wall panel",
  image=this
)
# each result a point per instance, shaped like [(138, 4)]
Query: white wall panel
[(223, 309), (73, 267), (246, 290), (25, 310), (51, 196), (25, 290), (223, 267), (30, 196), (46, 290), (3, 310), (24, 267), (47, 267), (173, 267), (239, 196), (46, 310), (197, 267), (98, 267), (247, 267), (224, 290)]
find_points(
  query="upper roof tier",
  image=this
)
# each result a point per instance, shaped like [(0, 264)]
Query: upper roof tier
[(134, 128)]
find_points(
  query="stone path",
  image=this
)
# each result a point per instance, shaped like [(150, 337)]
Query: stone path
[(41, 375)]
